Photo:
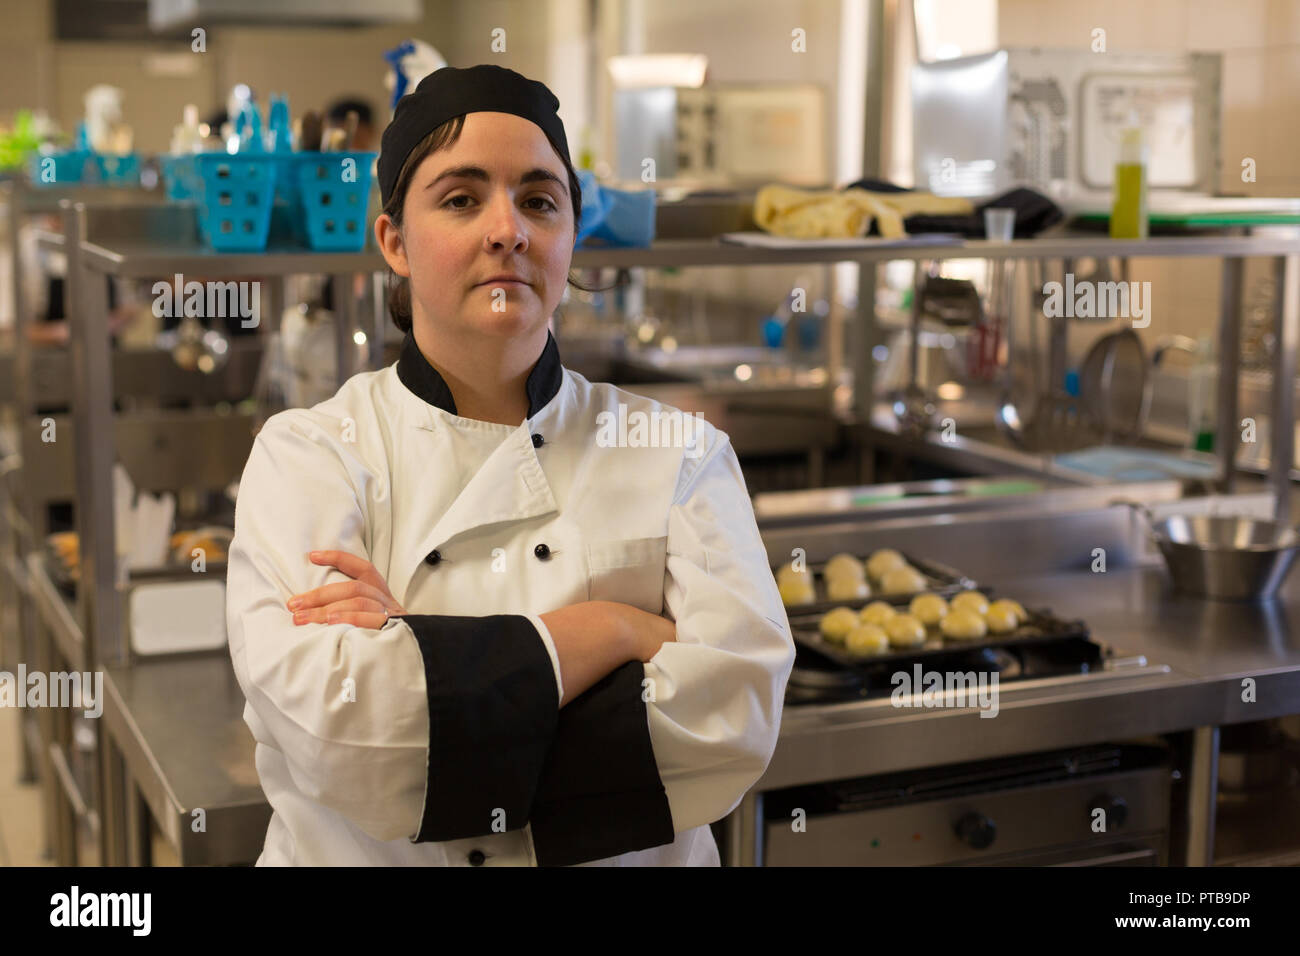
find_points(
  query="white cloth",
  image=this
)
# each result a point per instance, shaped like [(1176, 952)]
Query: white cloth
[(379, 472)]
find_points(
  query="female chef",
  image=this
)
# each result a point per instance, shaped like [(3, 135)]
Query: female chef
[(475, 622)]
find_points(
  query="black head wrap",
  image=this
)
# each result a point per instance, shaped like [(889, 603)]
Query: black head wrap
[(450, 92)]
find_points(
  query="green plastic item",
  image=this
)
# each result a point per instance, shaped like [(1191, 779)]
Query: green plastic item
[(17, 144), (989, 489)]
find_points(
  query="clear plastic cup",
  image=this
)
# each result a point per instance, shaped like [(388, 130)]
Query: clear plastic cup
[(999, 224)]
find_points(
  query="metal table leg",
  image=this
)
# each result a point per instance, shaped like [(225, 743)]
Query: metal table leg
[(1227, 434), (1202, 790), (1284, 373), (139, 846), (745, 832)]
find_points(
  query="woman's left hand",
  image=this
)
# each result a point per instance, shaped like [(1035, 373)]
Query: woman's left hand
[(365, 601)]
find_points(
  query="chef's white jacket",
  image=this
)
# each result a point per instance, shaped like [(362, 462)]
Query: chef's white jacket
[(438, 739)]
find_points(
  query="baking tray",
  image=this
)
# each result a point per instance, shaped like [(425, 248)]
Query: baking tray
[(940, 579), (1041, 628)]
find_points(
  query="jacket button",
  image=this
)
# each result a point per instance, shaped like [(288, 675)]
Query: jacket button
[(542, 552), (432, 558), (476, 858), (538, 441)]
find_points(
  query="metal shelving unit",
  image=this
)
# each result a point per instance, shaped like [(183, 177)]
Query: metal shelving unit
[(160, 241)]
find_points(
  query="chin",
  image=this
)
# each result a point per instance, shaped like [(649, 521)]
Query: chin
[(509, 324)]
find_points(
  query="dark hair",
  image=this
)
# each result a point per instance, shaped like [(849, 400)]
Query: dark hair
[(399, 287), (339, 109)]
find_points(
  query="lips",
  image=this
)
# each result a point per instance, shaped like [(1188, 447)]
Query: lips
[(501, 280)]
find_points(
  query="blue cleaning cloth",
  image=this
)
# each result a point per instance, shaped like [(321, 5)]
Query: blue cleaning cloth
[(1136, 464), (615, 216)]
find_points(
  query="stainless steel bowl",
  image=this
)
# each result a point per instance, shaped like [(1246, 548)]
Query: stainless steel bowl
[(1225, 558)]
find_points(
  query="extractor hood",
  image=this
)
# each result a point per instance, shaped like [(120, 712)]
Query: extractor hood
[(165, 15)]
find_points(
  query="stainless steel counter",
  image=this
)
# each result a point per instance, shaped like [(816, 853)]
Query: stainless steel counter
[(1200, 651), (178, 723)]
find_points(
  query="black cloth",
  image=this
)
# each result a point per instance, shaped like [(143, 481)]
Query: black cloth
[(1034, 212), (600, 794), (585, 777), (450, 92), (493, 710), (415, 372)]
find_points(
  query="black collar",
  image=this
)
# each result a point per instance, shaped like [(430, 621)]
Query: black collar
[(415, 372)]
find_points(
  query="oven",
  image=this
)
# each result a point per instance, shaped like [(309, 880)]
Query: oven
[(1104, 805)]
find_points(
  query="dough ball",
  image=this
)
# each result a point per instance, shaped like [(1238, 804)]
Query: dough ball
[(844, 564), (904, 580), (883, 561), (905, 631), (877, 612), (971, 601), (795, 591), (1014, 606), (866, 640), (963, 624), (929, 609), (847, 588), (1001, 619), (837, 623), (787, 573)]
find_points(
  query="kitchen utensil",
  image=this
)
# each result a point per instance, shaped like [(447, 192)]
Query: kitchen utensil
[(1222, 557), (310, 138), (350, 129), (1115, 386), (954, 302), (999, 224), (195, 348)]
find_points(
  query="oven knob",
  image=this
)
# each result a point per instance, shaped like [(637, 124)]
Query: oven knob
[(1116, 809), (976, 830)]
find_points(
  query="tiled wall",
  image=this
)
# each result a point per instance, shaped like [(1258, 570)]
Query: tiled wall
[(1260, 43)]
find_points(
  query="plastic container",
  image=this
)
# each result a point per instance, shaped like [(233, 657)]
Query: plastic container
[(334, 192), (117, 170), (67, 168), (1128, 215), (181, 177), (235, 199)]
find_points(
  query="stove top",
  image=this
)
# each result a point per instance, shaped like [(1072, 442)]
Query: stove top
[(816, 679)]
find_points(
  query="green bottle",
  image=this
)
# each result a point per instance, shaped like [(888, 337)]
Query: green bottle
[(1128, 215)]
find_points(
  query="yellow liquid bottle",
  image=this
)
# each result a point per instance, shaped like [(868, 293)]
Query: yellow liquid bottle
[(1128, 214)]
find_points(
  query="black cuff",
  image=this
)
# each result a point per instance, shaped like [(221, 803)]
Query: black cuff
[(600, 793), (493, 709)]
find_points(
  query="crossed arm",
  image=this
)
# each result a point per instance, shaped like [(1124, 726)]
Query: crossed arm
[(592, 638)]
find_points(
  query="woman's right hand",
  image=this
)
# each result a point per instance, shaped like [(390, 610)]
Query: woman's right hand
[(649, 632), (594, 638)]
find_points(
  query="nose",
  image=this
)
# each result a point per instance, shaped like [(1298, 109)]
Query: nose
[(505, 227)]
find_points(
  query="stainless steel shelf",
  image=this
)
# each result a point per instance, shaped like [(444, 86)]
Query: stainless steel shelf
[(712, 252), (148, 260), (56, 612)]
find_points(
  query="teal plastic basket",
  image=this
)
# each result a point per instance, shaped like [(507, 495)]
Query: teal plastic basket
[(235, 203), (181, 177), (334, 192), (66, 168), (117, 170)]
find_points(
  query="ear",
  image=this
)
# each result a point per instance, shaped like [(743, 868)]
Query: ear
[(389, 238)]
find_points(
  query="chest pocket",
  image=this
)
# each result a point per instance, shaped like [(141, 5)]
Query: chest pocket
[(630, 571)]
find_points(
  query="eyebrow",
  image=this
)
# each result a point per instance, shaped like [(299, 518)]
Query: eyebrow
[(536, 175)]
